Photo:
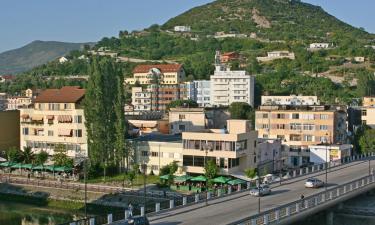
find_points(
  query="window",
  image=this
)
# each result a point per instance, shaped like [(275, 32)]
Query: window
[(364, 112), (154, 154), (78, 119), (323, 116), (264, 115), (308, 138), (307, 116), (280, 116), (364, 122), (280, 126), (25, 131), (265, 135), (154, 167), (295, 137), (265, 126), (295, 116), (323, 127), (50, 133), (308, 126), (78, 133), (144, 153), (281, 137), (181, 116), (181, 127)]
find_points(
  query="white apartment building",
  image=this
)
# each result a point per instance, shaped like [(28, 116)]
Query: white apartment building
[(319, 45), (277, 55), (230, 86), (141, 99), (57, 118), (200, 92), (18, 102), (182, 28), (290, 100), (328, 153)]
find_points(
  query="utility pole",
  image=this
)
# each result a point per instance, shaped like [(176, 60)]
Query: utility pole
[(85, 180)]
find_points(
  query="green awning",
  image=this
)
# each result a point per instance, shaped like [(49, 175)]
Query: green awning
[(166, 177), (27, 166), (50, 168), (39, 167), (221, 180), (236, 182), (17, 166), (62, 169), (7, 164), (183, 178), (199, 178)]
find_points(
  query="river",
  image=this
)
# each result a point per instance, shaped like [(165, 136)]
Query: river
[(23, 214)]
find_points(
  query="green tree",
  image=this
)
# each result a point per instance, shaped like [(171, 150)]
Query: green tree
[(60, 158), (211, 169), (27, 155), (182, 103), (41, 157), (240, 110), (367, 141), (13, 154), (251, 172)]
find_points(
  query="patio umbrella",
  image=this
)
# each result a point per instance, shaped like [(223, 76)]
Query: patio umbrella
[(7, 164), (62, 169), (27, 166), (183, 178), (38, 167), (221, 180), (16, 166), (200, 178), (166, 177), (236, 182)]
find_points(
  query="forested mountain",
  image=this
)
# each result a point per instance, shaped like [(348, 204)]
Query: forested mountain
[(34, 54)]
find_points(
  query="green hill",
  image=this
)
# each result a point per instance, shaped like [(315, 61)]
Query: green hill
[(272, 19), (34, 54)]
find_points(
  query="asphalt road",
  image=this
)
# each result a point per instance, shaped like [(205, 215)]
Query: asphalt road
[(232, 208)]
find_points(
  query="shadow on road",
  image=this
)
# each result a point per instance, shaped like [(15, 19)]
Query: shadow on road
[(166, 223), (279, 191)]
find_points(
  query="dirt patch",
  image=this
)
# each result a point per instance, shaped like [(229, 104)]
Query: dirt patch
[(260, 20)]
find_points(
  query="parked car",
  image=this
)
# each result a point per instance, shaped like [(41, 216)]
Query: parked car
[(137, 220), (261, 191), (314, 183)]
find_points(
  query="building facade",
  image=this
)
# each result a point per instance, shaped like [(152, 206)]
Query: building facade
[(200, 92), (277, 55), (319, 45), (270, 155), (230, 86), (301, 126), (182, 28), (290, 100), (57, 119), (327, 153), (187, 120), (18, 102), (233, 149), (157, 74)]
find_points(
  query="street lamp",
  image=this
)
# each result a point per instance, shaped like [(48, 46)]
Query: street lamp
[(206, 148), (326, 163), (144, 184)]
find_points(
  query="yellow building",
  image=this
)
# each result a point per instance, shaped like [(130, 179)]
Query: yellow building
[(233, 149), (9, 129), (187, 119), (368, 116), (162, 74), (368, 101), (57, 118), (301, 126)]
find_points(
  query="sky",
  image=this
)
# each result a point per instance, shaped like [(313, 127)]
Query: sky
[(23, 21)]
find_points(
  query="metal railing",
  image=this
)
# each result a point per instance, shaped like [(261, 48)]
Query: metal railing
[(284, 212)]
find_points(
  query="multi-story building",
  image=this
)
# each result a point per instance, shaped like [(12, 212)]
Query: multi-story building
[(18, 102), (182, 28), (327, 153), (141, 99), (290, 100), (301, 126), (270, 155), (230, 86), (57, 119), (277, 55), (200, 92), (368, 112), (229, 56), (157, 151), (9, 130), (319, 45), (233, 149), (157, 74), (187, 120)]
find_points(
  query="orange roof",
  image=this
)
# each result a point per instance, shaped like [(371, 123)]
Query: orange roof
[(67, 94), (229, 53), (164, 68)]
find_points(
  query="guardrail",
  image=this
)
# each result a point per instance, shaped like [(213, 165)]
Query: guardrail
[(276, 215)]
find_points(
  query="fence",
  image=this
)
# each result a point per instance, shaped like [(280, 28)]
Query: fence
[(285, 212)]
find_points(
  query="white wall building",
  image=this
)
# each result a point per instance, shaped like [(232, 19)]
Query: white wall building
[(269, 154), (230, 86), (328, 153), (200, 92), (182, 28), (290, 100), (277, 55), (141, 99), (319, 45)]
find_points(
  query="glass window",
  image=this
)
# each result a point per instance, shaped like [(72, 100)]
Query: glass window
[(295, 116), (50, 133), (323, 116), (323, 127)]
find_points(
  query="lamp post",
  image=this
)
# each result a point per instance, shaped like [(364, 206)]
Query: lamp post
[(144, 184), (326, 163), (205, 147)]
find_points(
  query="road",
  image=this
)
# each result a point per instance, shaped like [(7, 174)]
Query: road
[(232, 208)]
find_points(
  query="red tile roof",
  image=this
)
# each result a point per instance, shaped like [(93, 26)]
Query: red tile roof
[(67, 94), (164, 68)]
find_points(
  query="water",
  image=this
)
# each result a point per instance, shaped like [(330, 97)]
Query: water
[(23, 214)]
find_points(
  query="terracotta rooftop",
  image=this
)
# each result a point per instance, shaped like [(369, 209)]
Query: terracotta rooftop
[(229, 53), (164, 68), (67, 94)]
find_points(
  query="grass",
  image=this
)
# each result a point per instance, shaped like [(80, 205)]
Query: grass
[(138, 181)]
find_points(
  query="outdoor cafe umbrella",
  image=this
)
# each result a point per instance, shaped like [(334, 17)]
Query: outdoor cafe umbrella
[(7, 164), (236, 182), (200, 178), (38, 167), (16, 166), (27, 166), (62, 169), (166, 177), (183, 178), (221, 180)]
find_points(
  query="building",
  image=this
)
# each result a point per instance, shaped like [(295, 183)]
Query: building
[(157, 151), (156, 97), (3, 101), (233, 149), (277, 55), (368, 112), (32, 93), (290, 100), (200, 92), (368, 101), (359, 59), (222, 35), (146, 127), (327, 153), (229, 56), (319, 45), (230, 86), (270, 155), (301, 126), (187, 120), (182, 28), (6, 78), (9, 130), (157, 74), (63, 60), (57, 119), (18, 102)]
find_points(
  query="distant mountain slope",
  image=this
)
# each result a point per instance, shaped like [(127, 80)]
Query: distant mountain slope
[(34, 54), (274, 19)]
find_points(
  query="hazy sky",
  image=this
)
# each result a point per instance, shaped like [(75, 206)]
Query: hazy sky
[(22, 21)]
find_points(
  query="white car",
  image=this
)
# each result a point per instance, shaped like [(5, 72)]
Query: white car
[(314, 183), (260, 191)]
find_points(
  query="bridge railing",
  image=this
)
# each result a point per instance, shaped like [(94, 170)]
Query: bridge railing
[(275, 215)]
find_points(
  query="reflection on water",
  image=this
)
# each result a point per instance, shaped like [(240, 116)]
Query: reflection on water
[(22, 214)]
